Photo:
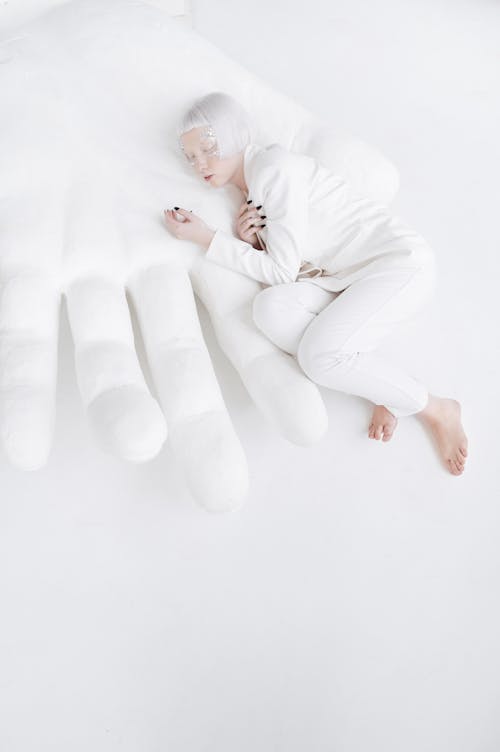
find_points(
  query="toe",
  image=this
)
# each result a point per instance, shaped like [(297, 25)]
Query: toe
[(388, 431), (458, 467), (452, 468), (378, 432), (463, 451)]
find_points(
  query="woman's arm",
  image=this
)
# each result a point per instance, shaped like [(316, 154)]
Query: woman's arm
[(284, 192)]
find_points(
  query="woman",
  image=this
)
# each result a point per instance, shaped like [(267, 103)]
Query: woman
[(364, 273)]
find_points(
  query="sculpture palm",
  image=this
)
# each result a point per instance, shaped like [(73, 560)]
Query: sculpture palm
[(91, 93)]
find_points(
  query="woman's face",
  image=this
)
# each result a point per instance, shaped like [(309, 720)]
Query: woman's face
[(200, 151)]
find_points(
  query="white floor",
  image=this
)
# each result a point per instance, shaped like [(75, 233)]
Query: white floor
[(352, 605)]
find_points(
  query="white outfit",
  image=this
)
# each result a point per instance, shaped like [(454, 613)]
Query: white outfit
[(342, 272)]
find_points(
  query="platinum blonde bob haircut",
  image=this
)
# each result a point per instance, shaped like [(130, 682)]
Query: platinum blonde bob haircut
[(228, 120)]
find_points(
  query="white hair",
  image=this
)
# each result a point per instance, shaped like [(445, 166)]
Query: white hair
[(231, 123)]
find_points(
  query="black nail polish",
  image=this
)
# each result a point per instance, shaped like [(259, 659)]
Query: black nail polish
[(264, 216), (259, 207), (176, 207), (263, 225), (249, 201)]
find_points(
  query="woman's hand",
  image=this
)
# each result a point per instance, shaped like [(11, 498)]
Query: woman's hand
[(192, 228), (247, 223)]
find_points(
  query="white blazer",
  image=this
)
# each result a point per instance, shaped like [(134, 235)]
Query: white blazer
[(316, 229)]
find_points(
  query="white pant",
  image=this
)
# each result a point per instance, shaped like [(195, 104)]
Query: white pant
[(333, 334)]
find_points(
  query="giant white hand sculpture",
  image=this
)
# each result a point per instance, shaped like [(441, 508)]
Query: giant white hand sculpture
[(91, 93)]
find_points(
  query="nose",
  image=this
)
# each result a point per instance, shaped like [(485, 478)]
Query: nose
[(200, 161)]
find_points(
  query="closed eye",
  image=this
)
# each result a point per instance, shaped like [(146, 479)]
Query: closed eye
[(203, 151)]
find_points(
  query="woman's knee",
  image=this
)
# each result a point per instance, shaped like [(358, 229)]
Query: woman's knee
[(427, 264), (430, 273)]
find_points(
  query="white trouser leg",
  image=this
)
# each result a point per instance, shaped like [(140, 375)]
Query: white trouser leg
[(334, 334), (283, 312)]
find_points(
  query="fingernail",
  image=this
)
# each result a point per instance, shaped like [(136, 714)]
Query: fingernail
[(259, 207), (249, 201), (264, 216), (263, 225), (176, 207)]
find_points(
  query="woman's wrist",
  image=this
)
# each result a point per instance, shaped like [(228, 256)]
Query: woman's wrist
[(207, 238)]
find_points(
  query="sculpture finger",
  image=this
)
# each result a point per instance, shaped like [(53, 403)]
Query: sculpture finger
[(279, 388), (125, 417), (201, 433), (29, 316)]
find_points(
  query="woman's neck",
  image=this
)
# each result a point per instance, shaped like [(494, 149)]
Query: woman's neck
[(238, 178)]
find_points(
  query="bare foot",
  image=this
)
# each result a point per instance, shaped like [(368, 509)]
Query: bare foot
[(383, 423), (443, 417)]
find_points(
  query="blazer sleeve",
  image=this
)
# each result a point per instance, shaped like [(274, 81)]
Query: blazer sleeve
[(285, 200)]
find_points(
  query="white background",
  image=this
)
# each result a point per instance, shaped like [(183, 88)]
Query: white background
[(352, 605)]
